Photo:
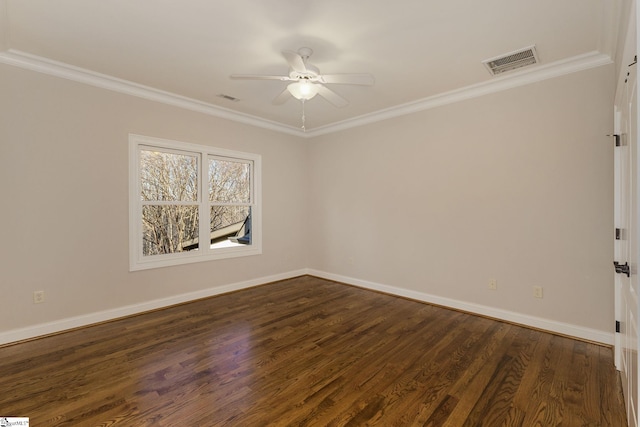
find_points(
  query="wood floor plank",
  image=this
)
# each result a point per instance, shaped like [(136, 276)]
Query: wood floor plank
[(610, 396), (473, 382), (438, 369), (309, 352), (532, 395)]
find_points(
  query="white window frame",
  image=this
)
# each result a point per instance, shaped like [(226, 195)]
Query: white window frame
[(137, 261)]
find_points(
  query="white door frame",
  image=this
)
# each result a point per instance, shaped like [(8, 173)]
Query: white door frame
[(626, 215)]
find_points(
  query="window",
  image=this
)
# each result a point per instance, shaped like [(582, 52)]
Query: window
[(191, 203)]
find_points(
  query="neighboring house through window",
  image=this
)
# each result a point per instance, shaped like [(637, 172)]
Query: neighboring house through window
[(191, 203)]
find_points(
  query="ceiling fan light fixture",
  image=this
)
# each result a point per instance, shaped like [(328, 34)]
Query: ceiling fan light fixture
[(303, 90)]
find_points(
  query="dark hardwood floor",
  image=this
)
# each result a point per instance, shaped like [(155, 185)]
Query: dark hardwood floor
[(307, 351)]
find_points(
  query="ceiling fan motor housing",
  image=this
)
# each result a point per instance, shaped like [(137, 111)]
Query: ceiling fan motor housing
[(310, 74)]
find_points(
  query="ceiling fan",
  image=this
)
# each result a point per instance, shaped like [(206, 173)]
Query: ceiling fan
[(307, 81)]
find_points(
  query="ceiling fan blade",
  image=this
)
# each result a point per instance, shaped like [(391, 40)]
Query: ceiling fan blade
[(348, 79), (258, 77), (331, 96), (295, 61), (282, 98)]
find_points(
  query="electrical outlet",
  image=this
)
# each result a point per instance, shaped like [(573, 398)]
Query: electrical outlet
[(493, 284), (537, 291), (38, 297)]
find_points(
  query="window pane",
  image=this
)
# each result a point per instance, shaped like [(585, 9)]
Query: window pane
[(168, 176), (230, 223), (229, 181), (169, 229)]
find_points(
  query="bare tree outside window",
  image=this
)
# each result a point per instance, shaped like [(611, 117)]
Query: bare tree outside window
[(171, 205), (169, 185), (229, 194)]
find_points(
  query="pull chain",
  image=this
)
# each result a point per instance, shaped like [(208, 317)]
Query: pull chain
[(303, 117)]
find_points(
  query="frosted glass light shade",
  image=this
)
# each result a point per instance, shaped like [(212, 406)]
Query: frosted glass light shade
[(303, 90)]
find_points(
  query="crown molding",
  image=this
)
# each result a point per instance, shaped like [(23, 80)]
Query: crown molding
[(510, 80), (497, 84), (81, 75)]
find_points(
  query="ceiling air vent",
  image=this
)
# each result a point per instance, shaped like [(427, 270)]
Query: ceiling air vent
[(228, 97), (511, 61)]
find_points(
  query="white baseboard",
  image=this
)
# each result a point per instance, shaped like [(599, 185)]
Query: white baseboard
[(594, 335), (510, 316), (102, 316)]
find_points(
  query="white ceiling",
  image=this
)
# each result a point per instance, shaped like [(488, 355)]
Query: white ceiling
[(421, 52)]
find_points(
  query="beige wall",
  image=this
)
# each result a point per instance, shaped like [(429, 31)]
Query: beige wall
[(4, 26), (64, 216), (515, 186)]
